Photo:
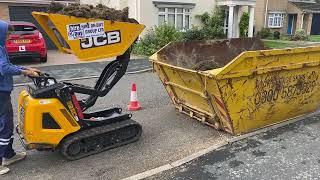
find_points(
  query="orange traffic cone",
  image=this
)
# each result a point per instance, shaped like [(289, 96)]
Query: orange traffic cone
[(134, 104)]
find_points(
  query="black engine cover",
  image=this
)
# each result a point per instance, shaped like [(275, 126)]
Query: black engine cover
[(45, 92)]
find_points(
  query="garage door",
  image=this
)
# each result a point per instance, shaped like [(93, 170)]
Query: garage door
[(23, 13)]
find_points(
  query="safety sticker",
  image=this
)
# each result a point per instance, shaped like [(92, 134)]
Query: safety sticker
[(85, 30)]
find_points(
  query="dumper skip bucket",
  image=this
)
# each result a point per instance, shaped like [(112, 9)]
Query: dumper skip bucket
[(235, 86), (89, 39)]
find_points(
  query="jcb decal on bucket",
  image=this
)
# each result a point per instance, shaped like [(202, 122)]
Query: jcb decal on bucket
[(108, 38)]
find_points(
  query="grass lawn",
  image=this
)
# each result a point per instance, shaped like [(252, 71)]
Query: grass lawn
[(315, 38), (278, 45)]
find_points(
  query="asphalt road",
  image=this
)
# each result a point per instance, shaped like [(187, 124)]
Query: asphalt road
[(290, 152), (167, 136)]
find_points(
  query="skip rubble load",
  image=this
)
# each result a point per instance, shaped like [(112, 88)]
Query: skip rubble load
[(89, 11)]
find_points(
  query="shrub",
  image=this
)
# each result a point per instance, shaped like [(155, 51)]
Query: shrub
[(213, 24), (146, 45), (166, 33), (244, 25), (264, 33), (194, 34), (155, 39), (299, 35), (276, 35)]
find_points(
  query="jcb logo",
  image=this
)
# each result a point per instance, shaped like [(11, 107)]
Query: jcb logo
[(112, 37)]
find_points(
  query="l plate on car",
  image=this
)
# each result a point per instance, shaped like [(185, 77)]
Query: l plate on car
[(22, 48)]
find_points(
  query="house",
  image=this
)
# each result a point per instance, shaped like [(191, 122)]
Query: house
[(20, 10), (234, 10), (287, 16), (182, 13)]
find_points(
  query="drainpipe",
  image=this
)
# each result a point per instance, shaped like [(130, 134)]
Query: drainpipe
[(266, 14), (138, 11)]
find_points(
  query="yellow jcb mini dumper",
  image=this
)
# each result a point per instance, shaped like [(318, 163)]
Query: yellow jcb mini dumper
[(51, 118)]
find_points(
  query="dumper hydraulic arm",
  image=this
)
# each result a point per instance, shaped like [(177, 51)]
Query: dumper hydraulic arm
[(109, 77)]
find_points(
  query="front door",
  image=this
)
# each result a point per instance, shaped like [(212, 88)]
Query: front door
[(315, 28), (291, 23)]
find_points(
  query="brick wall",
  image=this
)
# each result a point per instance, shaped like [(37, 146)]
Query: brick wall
[(259, 15), (4, 12), (278, 5)]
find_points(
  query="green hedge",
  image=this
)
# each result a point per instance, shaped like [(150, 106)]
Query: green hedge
[(155, 39)]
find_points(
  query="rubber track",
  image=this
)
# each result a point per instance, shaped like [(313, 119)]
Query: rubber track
[(95, 132)]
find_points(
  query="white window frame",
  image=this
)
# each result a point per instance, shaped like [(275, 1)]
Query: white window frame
[(184, 14), (276, 19)]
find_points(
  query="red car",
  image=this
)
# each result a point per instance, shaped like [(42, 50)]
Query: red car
[(26, 41)]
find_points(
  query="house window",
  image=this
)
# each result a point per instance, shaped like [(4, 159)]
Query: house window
[(276, 20), (177, 17)]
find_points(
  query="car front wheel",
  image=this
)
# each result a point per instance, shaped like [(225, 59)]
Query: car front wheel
[(44, 59)]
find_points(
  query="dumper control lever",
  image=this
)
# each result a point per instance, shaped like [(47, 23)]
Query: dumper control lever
[(43, 80)]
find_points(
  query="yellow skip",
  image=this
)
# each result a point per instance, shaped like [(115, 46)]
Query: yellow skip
[(253, 90)]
